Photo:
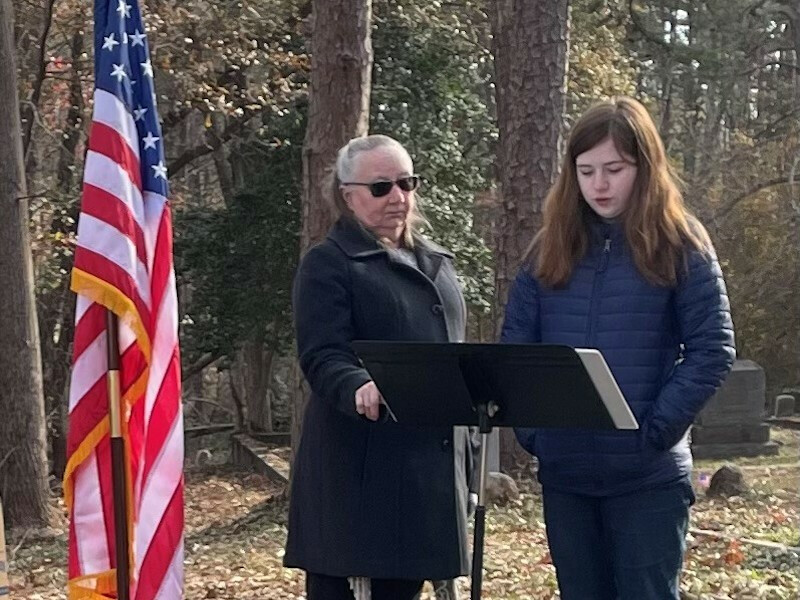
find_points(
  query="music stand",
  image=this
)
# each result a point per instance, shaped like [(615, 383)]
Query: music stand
[(494, 385)]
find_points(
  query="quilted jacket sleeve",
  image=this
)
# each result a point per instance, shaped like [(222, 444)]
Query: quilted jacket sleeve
[(706, 334), (521, 326)]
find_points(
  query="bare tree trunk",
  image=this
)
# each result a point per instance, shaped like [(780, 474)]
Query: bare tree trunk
[(224, 159), (691, 103), (255, 365), (338, 110), (667, 78), (240, 418), (341, 75), (795, 26), (531, 45), (23, 460), (57, 307), (40, 66)]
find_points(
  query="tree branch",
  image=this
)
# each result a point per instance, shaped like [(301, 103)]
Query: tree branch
[(41, 67), (215, 142), (213, 403), (241, 422), (761, 185), (681, 53), (191, 432), (772, 63), (771, 129), (174, 118), (792, 181), (201, 363)]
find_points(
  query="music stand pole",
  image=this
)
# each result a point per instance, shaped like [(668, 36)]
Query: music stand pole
[(485, 411)]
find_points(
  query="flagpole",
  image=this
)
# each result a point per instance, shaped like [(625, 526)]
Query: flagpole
[(117, 459)]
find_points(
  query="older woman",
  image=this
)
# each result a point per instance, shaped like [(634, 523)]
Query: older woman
[(374, 502)]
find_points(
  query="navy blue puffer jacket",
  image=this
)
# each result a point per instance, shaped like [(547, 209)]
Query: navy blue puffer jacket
[(668, 347)]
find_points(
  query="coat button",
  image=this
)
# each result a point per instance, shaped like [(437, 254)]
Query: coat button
[(446, 444), (437, 309)]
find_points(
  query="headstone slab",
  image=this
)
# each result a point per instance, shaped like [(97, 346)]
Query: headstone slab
[(731, 423), (740, 399), (758, 433), (784, 405), (718, 451)]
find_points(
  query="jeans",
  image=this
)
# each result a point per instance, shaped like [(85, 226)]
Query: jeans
[(627, 547)]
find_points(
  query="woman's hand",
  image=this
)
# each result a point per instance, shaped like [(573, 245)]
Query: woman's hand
[(368, 401)]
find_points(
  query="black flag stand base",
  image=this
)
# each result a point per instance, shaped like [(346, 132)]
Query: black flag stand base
[(485, 412)]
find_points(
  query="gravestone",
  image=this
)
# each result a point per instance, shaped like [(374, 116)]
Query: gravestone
[(784, 405), (731, 423)]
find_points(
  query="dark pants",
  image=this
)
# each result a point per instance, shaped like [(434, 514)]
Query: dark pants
[(323, 587), (626, 547)]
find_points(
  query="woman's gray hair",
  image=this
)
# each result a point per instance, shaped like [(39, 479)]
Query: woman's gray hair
[(345, 159), (343, 171)]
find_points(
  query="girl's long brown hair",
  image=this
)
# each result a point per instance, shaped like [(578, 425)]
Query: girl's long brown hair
[(657, 224)]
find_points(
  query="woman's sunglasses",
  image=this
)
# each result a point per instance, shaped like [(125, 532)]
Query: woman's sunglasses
[(381, 188)]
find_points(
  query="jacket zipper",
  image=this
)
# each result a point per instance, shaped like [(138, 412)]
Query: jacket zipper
[(594, 299)]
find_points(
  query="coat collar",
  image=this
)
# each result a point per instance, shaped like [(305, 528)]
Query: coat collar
[(601, 230), (358, 243)]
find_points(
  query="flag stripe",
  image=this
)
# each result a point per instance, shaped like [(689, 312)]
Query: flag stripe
[(88, 519), (88, 371), (160, 557), (156, 207), (110, 110), (89, 325), (73, 565), (105, 141), (106, 207), (105, 241), (171, 588), (82, 305), (165, 330), (157, 489), (102, 172), (89, 410), (162, 417), (118, 277), (162, 274)]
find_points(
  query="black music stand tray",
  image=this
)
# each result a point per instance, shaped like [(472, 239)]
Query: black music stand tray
[(494, 385)]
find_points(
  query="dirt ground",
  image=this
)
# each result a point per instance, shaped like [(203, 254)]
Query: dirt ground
[(236, 526)]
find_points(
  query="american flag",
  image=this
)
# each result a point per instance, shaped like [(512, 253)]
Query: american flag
[(123, 263)]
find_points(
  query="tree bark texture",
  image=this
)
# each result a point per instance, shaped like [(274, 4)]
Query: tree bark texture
[(255, 366), (794, 22), (56, 307), (23, 460), (39, 71), (341, 76), (530, 46)]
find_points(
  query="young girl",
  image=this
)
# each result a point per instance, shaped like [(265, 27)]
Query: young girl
[(620, 265)]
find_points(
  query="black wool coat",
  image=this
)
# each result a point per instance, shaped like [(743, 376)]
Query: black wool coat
[(374, 499)]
